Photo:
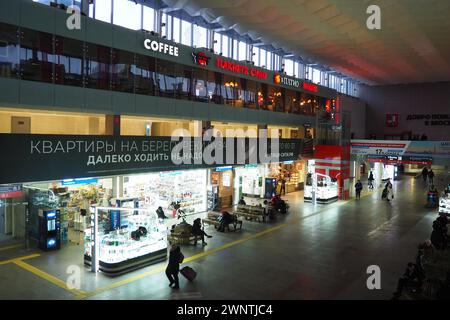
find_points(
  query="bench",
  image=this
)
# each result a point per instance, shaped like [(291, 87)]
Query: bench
[(212, 219), (178, 238), (256, 213)]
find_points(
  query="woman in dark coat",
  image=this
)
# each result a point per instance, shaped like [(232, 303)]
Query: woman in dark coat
[(175, 258), (197, 231)]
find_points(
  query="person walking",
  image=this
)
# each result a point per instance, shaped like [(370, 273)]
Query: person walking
[(283, 186), (390, 192), (175, 258), (425, 174), (358, 188), (371, 179), (431, 177)]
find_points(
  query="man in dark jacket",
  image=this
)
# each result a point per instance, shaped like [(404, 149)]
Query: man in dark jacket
[(175, 258), (225, 219), (425, 174), (431, 176), (358, 188)]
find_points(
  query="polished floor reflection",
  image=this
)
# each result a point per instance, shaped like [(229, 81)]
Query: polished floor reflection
[(315, 252)]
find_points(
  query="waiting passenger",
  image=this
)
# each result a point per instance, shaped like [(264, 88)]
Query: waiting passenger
[(197, 231), (410, 278), (160, 213), (225, 219), (242, 202)]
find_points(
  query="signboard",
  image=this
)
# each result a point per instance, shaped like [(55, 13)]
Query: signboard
[(33, 158), (241, 69), (161, 47), (431, 119), (11, 191), (419, 151), (310, 87), (400, 159)]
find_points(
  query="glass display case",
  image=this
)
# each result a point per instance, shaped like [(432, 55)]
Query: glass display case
[(326, 188), (444, 201), (140, 239)]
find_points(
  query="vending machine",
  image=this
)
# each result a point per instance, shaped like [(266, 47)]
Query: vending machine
[(49, 229), (271, 187)]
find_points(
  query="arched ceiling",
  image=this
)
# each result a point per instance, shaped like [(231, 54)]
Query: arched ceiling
[(413, 44)]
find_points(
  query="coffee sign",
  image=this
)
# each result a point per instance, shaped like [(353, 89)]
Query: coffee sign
[(161, 47)]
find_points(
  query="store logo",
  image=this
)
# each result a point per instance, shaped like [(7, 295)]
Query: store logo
[(161, 47), (200, 58), (240, 68), (310, 87), (279, 79)]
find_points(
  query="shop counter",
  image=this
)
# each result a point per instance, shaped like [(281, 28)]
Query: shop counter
[(324, 195), (119, 268)]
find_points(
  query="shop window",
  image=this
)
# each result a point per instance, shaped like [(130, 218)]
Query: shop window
[(98, 66), (122, 66), (230, 90), (290, 100), (36, 56), (69, 61), (251, 92), (183, 82), (275, 99), (214, 85), (9, 51), (165, 78), (199, 85), (144, 75)]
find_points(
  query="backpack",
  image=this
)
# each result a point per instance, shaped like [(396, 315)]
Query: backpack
[(384, 194)]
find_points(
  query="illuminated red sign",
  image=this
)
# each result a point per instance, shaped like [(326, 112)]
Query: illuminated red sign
[(200, 58), (240, 68), (310, 87)]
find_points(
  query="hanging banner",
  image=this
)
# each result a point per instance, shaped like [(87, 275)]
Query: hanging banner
[(30, 158)]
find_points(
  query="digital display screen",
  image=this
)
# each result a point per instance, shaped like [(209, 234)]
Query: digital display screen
[(51, 225)]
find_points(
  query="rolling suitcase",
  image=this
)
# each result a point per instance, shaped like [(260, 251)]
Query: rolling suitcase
[(188, 273)]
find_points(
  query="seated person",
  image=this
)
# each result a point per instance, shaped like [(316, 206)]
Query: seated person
[(160, 213), (242, 202), (197, 231), (411, 278), (225, 219)]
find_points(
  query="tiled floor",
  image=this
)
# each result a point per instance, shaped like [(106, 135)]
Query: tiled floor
[(315, 252)]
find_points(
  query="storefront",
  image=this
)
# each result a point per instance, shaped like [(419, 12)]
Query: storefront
[(221, 188), (249, 181), (111, 207), (292, 172)]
